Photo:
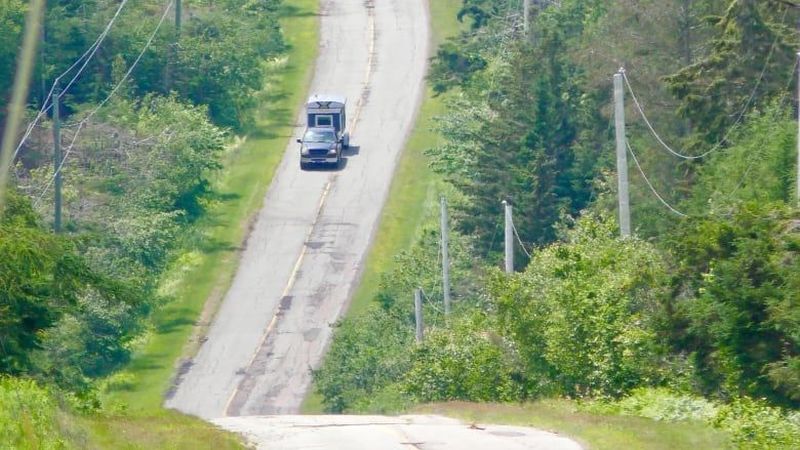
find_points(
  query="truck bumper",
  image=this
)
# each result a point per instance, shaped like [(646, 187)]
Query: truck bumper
[(318, 160)]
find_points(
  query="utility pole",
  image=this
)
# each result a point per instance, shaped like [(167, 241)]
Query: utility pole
[(445, 258), (797, 186), (57, 157), (177, 20), (509, 235), (526, 14), (172, 54), (622, 156), (418, 314)]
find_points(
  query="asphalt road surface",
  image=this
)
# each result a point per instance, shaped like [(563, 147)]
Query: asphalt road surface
[(304, 254), (303, 257), (388, 433)]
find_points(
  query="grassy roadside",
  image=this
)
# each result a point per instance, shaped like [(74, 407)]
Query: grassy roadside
[(206, 274), (136, 393), (414, 184), (598, 432)]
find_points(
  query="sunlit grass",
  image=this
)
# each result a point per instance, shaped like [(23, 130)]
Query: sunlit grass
[(592, 431), (248, 172), (413, 186)]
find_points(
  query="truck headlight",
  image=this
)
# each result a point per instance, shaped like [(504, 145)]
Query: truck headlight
[(332, 151), (304, 150)]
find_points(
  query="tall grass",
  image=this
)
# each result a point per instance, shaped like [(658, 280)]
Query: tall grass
[(28, 416)]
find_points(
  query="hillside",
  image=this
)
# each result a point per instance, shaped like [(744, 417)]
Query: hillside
[(696, 305)]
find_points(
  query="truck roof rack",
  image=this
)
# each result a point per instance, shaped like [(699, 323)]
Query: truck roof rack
[(326, 101)]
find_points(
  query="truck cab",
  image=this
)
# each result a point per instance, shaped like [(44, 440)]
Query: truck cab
[(326, 135)]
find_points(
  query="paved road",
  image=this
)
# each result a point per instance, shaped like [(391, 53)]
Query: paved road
[(387, 433), (304, 254), (303, 258)]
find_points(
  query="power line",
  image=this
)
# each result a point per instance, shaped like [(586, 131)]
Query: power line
[(87, 55), (730, 130), (650, 185), (519, 240), (96, 46), (102, 103), (430, 301)]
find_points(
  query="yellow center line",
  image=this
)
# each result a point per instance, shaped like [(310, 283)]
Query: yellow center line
[(368, 76), (296, 269), (286, 290)]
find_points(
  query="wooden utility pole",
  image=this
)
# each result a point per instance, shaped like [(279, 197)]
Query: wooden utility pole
[(797, 185), (57, 158), (445, 258), (509, 237), (178, 12), (172, 53), (418, 314), (526, 14), (622, 157)]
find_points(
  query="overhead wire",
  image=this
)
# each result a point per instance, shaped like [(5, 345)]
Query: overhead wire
[(650, 185), (730, 130), (83, 121), (99, 41), (87, 56), (430, 301), (519, 240), (745, 174), (754, 155)]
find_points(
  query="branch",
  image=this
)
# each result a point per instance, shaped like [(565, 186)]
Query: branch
[(788, 3)]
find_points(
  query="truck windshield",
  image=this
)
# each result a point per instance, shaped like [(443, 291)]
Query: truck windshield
[(319, 136)]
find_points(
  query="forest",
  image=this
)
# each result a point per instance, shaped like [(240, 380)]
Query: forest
[(698, 307), (147, 112), (695, 316)]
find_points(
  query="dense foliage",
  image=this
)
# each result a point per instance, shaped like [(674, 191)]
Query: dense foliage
[(587, 306), (28, 416), (702, 302), (142, 152)]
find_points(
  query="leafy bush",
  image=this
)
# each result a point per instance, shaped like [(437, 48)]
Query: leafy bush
[(581, 314), (27, 416), (658, 404), (751, 424), (368, 353), (464, 362), (755, 425)]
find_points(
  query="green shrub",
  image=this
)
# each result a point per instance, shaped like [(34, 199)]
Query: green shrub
[(27, 416), (738, 315), (658, 404), (368, 353), (754, 425), (582, 313), (465, 362)]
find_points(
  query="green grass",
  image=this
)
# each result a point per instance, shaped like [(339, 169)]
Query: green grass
[(205, 275), (597, 432), (173, 431), (414, 184), (200, 278)]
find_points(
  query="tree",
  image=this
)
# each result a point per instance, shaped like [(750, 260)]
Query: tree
[(582, 314), (522, 143), (42, 280), (747, 62), (738, 312)]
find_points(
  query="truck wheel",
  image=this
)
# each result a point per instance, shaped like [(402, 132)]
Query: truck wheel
[(346, 141)]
